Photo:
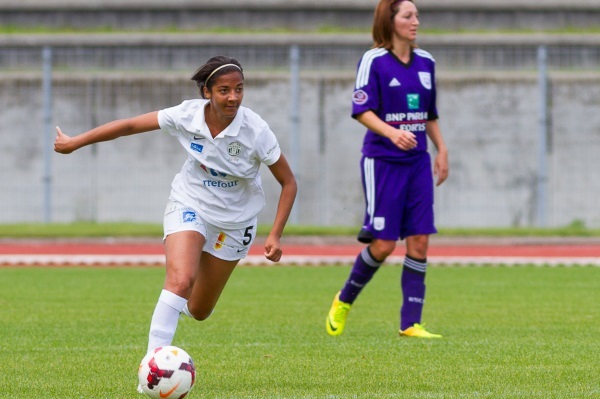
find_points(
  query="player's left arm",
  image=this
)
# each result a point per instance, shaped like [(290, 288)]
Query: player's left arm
[(440, 165), (283, 174)]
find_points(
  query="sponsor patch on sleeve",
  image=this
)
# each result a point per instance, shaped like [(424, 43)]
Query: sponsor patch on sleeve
[(360, 97)]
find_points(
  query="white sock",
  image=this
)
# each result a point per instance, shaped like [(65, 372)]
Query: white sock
[(164, 320), (186, 311)]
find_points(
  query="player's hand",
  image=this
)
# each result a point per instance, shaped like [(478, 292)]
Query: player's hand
[(441, 168), (273, 250), (62, 142), (403, 139)]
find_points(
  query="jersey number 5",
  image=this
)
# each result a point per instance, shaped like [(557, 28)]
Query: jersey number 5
[(248, 235)]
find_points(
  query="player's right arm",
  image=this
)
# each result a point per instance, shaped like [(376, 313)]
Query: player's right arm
[(65, 144), (402, 139)]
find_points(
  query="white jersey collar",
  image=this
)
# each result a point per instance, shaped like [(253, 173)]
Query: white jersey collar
[(201, 127)]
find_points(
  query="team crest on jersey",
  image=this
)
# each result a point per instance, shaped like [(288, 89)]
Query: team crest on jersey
[(360, 97), (234, 149), (425, 78)]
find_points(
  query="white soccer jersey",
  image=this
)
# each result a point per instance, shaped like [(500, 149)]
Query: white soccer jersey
[(220, 176)]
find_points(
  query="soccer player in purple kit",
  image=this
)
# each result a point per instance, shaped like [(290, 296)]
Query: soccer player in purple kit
[(395, 99)]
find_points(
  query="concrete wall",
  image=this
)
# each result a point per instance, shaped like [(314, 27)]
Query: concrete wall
[(489, 122), (295, 14)]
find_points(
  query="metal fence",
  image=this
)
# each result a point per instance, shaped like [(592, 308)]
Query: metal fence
[(41, 82), (275, 56)]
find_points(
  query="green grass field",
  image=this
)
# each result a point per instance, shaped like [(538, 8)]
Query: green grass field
[(128, 230), (524, 332)]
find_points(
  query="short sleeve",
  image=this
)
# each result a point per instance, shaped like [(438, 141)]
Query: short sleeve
[(167, 118), (267, 147), (174, 119), (366, 95)]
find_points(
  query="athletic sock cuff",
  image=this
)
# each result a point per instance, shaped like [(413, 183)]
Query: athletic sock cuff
[(173, 300), (186, 311), (368, 258), (415, 265)]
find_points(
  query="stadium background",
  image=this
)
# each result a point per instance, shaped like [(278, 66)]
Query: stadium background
[(519, 111)]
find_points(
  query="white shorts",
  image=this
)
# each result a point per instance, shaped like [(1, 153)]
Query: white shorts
[(226, 244)]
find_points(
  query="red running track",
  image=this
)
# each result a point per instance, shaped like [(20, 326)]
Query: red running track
[(133, 248)]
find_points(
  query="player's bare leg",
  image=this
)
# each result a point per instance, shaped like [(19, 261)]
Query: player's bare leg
[(417, 246), (211, 279), (183, 250)]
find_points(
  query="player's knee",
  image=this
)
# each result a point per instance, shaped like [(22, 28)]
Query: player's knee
[(180, 285), (417, 246), (381, 249)]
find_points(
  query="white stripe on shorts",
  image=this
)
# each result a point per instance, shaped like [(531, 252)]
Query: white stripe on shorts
[(369, 171)]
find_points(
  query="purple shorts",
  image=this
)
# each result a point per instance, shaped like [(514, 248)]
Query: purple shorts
[(399, 197)]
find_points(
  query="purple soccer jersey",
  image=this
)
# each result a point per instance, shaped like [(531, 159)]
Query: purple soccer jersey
[(402, 95)]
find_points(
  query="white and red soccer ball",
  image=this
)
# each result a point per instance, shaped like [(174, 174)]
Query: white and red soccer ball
[(167, 373)]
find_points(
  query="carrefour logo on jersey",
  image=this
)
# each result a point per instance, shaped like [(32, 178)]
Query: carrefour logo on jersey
[(220, 183)]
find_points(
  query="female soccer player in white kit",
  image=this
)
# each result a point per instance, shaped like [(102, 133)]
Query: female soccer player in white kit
[(211, 216)]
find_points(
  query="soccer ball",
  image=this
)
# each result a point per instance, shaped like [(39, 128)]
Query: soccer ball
[(167, 373)]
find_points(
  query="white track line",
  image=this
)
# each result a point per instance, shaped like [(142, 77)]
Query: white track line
[(303, 260)]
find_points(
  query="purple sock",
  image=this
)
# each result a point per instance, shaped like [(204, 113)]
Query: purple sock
[(363, 270), (413, 291)]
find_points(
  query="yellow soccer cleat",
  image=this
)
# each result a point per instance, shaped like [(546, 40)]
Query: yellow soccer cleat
[(336, 319), (418, 331)]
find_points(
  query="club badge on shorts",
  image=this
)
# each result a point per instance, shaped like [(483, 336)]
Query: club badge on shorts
[(379, 223), (188, 215)]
